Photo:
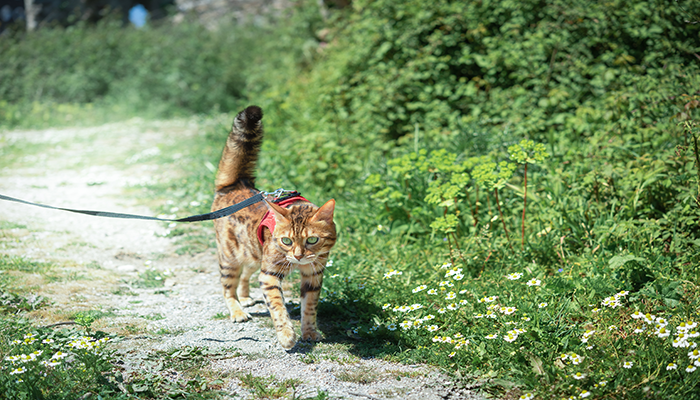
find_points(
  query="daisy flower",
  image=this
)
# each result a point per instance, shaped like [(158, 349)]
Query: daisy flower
[(508, 310), (510, 338), (627, 364), (452, 307), (690, 368), (451, 296), (406, 324), (578, 376), (391, 327), (671, 366), (432, 291), (533, 282), (419, 288), (385, 306), (542, 305), (514, 276), (492, 336), (584, 394), (527, 396), (694, 355), (432, 328)]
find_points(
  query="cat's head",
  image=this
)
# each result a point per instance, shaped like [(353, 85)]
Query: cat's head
[(304, 232)]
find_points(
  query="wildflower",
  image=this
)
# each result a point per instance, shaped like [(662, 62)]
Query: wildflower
[(514, 276), (637, 315), (463, 302), (690, 368), (12, 358), (490, 314), (603, 383), (442, 310), (330, 264), (639, 330), (385, 306), (693, 334), (612, 327), (590, 347), (414, 307), (419, 288), (453, 307), (542, 305), (463, 291), (662, 333), (361, 286), (576, 359), (432, 291), (19, 370), (432, 328), (525, 319), (533, 282), (508, 310), (453, 271), (390, 273), (452, 354), (446, 283), (694, 355), (578, 376), (391, 327), (451, 296), (649, 319), (406, 324), (671, 366), (584, 394), (627, 364), (661, 322), (477, 316), (458, 277), (595, 310), (527, 396), (16, 341), (510, 338), (492, 336), (47, 341)]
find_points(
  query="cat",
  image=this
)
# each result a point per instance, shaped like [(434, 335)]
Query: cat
[(299, 236)]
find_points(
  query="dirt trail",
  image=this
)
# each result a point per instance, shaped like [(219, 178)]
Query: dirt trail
[(96, 168)]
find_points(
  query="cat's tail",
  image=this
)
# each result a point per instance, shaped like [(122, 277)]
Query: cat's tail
[(242, 147)]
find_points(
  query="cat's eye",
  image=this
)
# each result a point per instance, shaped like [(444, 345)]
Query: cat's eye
[(286, 241), (312, 240)]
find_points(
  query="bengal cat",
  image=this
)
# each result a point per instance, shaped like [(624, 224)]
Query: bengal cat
[(302, 236)]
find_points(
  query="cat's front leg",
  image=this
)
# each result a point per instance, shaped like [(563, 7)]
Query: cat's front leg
[(311, 283), (271, 286)]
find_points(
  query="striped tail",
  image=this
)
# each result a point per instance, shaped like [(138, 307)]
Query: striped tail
[(242, 148)]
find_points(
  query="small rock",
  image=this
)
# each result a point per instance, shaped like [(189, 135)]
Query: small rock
[(126, 268), (169, 282)]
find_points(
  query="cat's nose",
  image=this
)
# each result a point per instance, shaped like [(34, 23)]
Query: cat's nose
[(298, 257)]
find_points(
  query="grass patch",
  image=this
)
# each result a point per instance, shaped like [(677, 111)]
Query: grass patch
[(268, 387)]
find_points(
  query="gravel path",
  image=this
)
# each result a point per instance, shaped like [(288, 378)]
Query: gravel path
[(95, 168)]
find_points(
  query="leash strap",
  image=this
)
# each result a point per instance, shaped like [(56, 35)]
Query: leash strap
[(201, 217)]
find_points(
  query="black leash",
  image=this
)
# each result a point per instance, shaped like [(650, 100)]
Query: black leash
[(280, 194)]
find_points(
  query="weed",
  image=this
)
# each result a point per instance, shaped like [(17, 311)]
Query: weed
[(267, 387), (362, 375)]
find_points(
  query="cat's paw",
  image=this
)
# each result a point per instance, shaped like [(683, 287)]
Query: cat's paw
[(241, 316), (246, 301), (287, 338), (311, 334)]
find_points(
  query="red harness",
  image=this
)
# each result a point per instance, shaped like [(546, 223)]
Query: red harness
[(269, 218)]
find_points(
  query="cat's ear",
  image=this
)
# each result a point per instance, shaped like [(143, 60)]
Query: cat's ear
[(279, 212), (325, 213)]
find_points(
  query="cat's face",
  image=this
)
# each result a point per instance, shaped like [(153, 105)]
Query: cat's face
[(303, 233)]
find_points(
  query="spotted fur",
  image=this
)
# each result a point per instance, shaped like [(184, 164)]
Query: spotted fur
[(241, 254)]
